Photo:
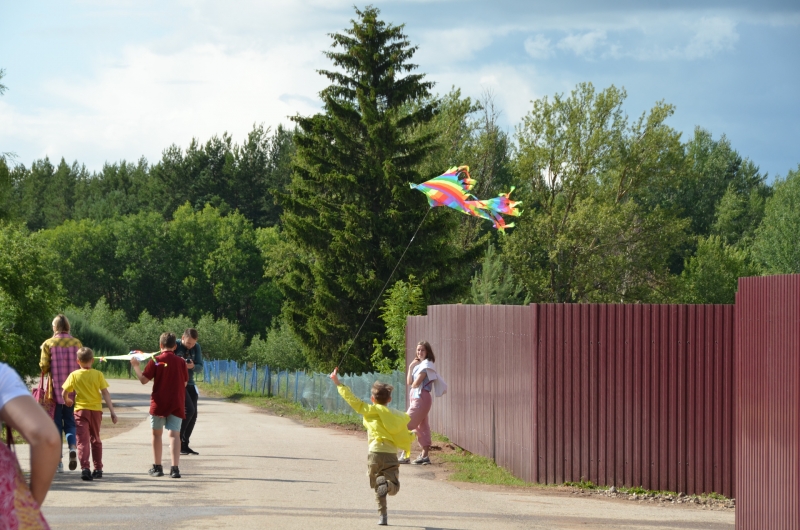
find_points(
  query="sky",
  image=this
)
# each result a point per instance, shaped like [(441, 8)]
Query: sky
[(102, 81)]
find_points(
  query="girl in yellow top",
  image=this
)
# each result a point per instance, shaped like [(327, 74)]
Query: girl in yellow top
[(88, 385)]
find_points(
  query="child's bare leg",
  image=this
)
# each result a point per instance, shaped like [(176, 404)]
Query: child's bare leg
[(157, 446), (175, 446)]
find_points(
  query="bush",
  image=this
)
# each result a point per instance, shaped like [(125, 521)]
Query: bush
[(220, 339), (100, 340), (143, 334), (281, 349)]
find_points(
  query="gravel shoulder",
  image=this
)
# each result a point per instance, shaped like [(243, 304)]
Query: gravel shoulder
[(257, 470)]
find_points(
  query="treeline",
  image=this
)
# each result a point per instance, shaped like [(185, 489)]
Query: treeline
[(276, 248)]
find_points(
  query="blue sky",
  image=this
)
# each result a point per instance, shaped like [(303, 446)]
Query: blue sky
[(101, 81)]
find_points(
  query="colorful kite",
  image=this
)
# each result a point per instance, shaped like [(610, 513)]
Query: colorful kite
[(451, 189)]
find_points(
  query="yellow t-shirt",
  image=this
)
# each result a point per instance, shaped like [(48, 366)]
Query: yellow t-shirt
[(87, 385)]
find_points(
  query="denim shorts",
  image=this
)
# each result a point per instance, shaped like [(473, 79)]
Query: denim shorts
[(171, 422)]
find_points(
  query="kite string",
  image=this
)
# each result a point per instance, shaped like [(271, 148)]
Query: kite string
[(384, 288)]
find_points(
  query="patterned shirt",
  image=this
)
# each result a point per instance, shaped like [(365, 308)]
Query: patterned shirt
[(59, 359)]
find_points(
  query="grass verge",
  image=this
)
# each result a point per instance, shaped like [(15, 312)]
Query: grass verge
[(283, 407), (463, 466)]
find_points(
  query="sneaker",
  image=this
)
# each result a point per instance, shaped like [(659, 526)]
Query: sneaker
[(383, 521), (174, 472), (381, 488), (97, 473), (73, 459), (156, 471), (403, 460), (422, 461), (86, 474), (60, 468)]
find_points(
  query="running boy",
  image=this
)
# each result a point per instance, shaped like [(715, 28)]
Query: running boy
[(88, 385), (387, 432), (169, 375)]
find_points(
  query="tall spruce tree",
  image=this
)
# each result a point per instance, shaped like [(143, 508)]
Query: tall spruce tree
[(349, 210)]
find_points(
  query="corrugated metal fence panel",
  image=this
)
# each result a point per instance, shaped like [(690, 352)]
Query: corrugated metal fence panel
[(767, 430), (629, 395)]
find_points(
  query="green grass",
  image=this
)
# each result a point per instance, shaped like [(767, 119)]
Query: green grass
[(468, 467), (436, 437), (284, 407)]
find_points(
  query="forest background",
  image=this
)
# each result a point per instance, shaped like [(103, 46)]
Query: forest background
[(276, 248)]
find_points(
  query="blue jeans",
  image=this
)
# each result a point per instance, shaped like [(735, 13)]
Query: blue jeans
[(65, 422)]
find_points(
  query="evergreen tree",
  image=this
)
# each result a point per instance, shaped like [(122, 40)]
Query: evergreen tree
[(349, 210), (495, 283)]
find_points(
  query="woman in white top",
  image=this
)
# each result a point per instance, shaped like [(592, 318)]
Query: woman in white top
[(421, 384), (20, 411)]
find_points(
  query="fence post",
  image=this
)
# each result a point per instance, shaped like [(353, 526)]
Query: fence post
[(266, 376), (296, 382)]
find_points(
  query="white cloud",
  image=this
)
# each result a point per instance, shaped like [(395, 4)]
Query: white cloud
[(584, 44), (538, 47), (512, 86), (712, 35), (153, 100), (443, 47)]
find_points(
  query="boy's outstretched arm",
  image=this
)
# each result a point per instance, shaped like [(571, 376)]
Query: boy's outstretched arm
[(357, 405), (135, 365), (107, 398)]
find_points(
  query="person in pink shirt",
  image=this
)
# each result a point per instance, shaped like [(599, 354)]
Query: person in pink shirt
[(58, 360)]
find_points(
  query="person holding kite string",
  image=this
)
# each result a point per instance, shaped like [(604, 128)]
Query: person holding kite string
[(386, 434), (422, 379)]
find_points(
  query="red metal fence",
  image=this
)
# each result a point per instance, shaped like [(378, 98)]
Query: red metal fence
[(625, 395), (768, 402)]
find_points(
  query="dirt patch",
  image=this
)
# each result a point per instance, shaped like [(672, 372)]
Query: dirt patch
[(127, 419)]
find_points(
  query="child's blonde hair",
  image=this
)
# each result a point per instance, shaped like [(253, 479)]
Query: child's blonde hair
[(382, 392), (85, 355), (60, 324)]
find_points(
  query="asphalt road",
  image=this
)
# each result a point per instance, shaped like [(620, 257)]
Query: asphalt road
[(260, 471)]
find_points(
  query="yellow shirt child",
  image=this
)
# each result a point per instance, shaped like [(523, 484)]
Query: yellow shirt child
[(87, 384)]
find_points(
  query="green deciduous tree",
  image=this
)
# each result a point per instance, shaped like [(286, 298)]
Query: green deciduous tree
[(711, 276), (30, 293), (776, 246), (349, 210), (585, 235), (404, 299), (84, 254)]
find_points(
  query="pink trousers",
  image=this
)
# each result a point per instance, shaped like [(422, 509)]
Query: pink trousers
[(419, 409), (87, 431)]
